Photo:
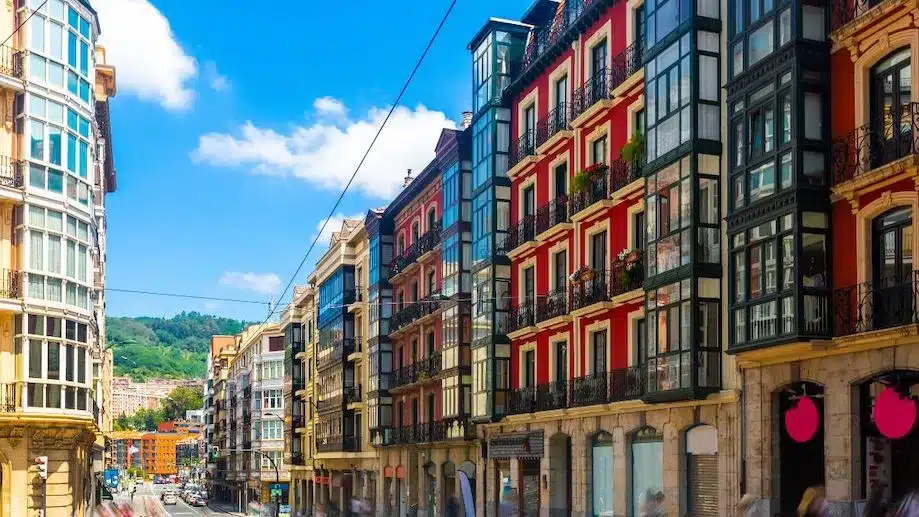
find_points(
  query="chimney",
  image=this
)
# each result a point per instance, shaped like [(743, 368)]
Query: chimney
[(408, 178), (467, 119)]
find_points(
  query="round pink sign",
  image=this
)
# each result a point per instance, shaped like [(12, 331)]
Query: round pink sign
[(802, 420), (894, 414)]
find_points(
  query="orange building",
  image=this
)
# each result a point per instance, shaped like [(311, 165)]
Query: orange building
[(159, 452)]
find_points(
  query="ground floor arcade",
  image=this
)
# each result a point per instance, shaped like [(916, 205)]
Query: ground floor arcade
[(426, 477)]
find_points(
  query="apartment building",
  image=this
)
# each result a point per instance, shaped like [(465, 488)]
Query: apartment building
[(344, 464), (217, 402), (126, 449), (56, 170), (159, 452), (299, 323)]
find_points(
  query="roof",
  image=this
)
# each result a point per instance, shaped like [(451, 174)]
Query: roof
[(540, 11), (502, 23), (431, 171)]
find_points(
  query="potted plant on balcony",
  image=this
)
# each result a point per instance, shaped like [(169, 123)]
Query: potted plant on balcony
[(630, 260), (632, 150), (584, 179), (583, 274)]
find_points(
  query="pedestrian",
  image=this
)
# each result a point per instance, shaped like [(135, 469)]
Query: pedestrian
[(452, 509), (909, 506), (813, 503), (746, 507)]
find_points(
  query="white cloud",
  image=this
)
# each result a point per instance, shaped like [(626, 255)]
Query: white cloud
[(327, 106), (333, 226), (217, 82), (267, 283), (326, 154), (149, 61)]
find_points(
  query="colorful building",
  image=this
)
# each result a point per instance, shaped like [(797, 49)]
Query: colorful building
[(126, 449)]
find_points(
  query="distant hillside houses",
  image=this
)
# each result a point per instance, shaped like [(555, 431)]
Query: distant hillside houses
[(128, 396)]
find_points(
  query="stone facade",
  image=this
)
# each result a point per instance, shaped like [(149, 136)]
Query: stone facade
[(671, 420), (405, 472)]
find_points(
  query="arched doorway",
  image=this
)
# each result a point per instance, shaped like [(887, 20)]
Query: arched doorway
[(647, 469), (560, 475), (892, 261), (891, 117), (601, 498), (800, 459), (430, 488), (702, 485), (889, 434)]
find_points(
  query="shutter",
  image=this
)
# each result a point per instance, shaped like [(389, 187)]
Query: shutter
[(703, 485)]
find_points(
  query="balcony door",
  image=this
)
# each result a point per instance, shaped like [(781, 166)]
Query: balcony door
[(529, 368), (561, 362), (529, 201), (561, 180), (560, 270), (529, 124), (529, 286), (598, 251), (893, 283), (599, 352), (891, 120)]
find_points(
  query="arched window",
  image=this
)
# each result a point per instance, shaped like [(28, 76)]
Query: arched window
[(647, 468), (415, 232), (602, 470), (891, 97)]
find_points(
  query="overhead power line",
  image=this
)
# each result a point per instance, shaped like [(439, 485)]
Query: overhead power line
[(395, 103), (29, 17), (181, 295)]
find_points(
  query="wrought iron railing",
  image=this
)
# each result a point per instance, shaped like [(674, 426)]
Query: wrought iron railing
[(845, 11), (594, 89), (622, 173), (352, 394), (626, 277), (521, 148), (330, 404), (625, 64), (552, 213), (592, 287), (11, 283), (297, 382), (422, 370), (596, 191), (422, 245), (297, 459), (519, 233), (544, 397), (544, 38), (558, 119), (298, 421), (415, 311), (876, 305), (351, 443), (522, 316), (11, 172), (10, 61), (600, 388), (552, 305), (876, 144), (431, 432)]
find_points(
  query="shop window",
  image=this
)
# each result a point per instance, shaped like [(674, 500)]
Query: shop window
[(647, 471), (602, 494)]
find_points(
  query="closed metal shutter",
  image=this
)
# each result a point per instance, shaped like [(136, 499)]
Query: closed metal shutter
[(703, 485)]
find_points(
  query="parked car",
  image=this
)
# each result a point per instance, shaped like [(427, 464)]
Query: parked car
[(170, 498), (139, 481), (197, 500)]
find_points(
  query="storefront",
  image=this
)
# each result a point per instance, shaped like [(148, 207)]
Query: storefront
[(526, 449)]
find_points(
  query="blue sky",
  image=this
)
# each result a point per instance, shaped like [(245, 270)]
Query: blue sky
[(232, 139)]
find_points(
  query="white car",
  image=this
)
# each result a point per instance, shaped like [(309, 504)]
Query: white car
[(170, 498), (139, 481)]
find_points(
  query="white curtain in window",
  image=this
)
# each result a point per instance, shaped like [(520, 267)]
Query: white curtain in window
[(81, 264), (36, 216), (71, 259), (55, 221), (36, 287), (36, 251), (54, 254), (54, 290)]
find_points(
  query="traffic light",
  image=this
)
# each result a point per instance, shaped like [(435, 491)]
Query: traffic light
[(42, 463)]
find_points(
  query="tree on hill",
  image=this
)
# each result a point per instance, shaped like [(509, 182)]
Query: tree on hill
[(178, 401)]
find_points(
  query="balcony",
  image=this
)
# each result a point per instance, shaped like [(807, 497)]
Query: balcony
[(297, 347), (414, 312), (522, 148), (547, 42), (520, 233), (862, 154), (297, 459), (549, 130), (11, 175), (551, 214), (522, 316), (605, 387), (329, 405), (353, 394), (432, 432), (10, 284), (339, 350), (420, 371), (590, 287), (544, 397), (871, 306), (552, 305), (427, 242), (844, 12), (297, 383), (596, 189), (600, 183), (11, 62), (352, 443), (595, 89), (626, 64)]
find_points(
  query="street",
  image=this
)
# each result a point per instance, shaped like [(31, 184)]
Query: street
[(147, 504)]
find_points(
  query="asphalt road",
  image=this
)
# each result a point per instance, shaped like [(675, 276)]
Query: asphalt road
[(146, 503)]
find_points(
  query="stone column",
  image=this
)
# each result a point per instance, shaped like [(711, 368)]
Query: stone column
[(579, 474), (620, 472), (438, 487)]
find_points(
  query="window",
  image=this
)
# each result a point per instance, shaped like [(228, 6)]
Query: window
[(668, 218), (761, 43), (561, 361), (272, 399), (560, 270), (529, 123), (529, 368), (529, 201), (561, 180), (598, 55), (561, 100), (598, 251), (598, 344), (599, 150), (668, 91), (272, 370), (272, 429), (813, 26), (602, 474), (432, 219), (529, 285)]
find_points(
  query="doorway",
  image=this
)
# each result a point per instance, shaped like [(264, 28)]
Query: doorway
[(891, 117), (800, 459), (892, 275)]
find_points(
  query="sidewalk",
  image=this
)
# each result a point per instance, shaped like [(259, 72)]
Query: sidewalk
[(227, 508)]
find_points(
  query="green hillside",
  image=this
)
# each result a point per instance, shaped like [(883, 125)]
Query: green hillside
[(176, 347)]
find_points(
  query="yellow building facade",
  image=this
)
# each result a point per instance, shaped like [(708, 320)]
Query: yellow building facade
[(56, 167)]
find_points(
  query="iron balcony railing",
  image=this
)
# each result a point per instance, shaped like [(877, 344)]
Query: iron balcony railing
[(297, 383), (415, 311), (522, 315), (524, 146), (11, 173), (544, 397), (298, 421), (9, 392), (552, 213), (552, 305), (352, 394), (351, 443), (625, 64), (559, 119), (626, 277), (622, 173), (596, 191), (520, 232), (340, 349), (10, 61), (876, 144), (297, 459), (845, 11), (544, 38), (328, 405), (877, 305), (592, 287), (431, 432), (422, 245), (604, 387), (11, 283), (422, 370), (594, 90)]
